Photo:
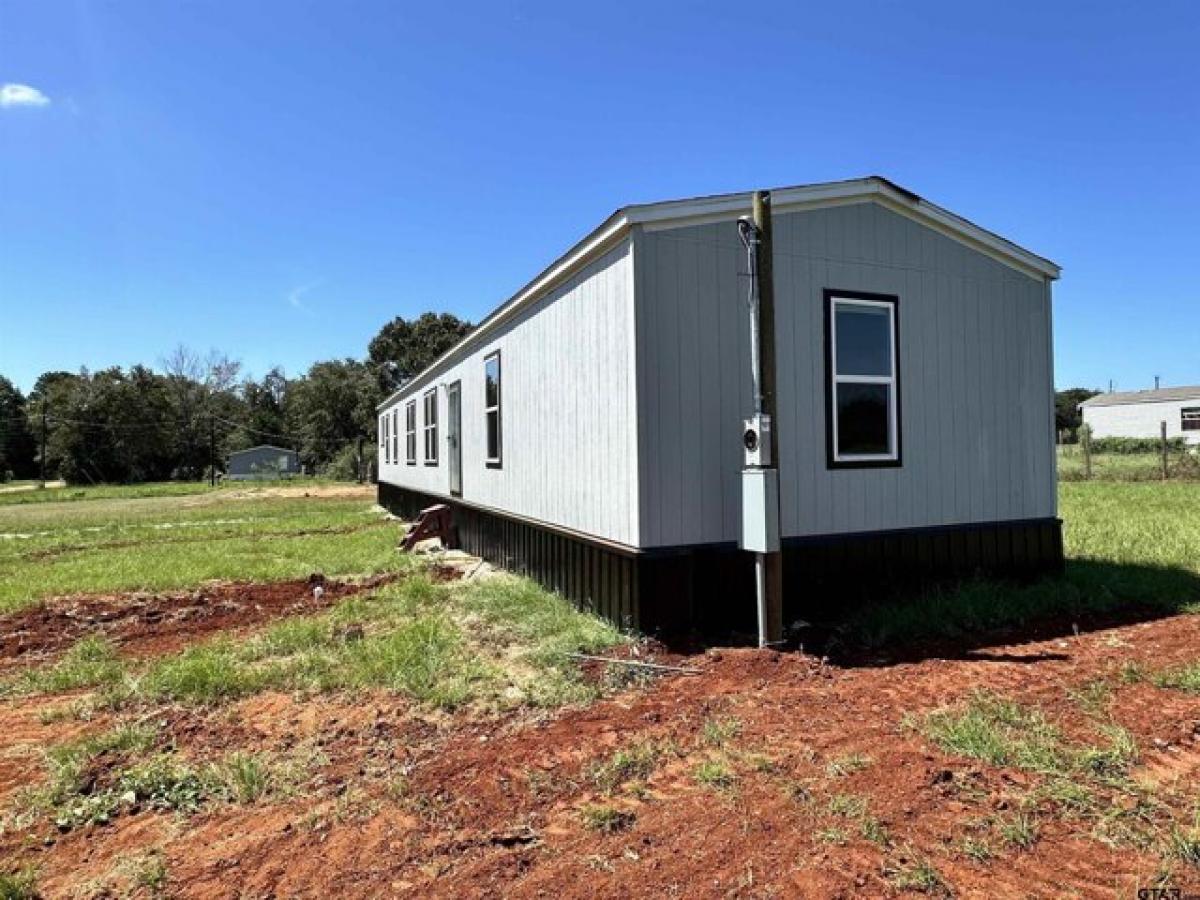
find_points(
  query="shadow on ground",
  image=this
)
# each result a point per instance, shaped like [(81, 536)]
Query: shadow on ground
[(874, 625)]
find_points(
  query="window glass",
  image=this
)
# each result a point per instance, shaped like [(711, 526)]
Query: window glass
[(864, 340), (862, 380), (491, 400), (862, 413)]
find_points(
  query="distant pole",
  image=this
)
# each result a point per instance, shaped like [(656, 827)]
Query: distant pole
[(358, 461), (1156, 382), (1163, 448), (212, 450), (766, 312), (1085, 434), (43, 442)]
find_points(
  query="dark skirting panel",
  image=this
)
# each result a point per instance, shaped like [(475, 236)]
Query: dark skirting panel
[(710, 588)]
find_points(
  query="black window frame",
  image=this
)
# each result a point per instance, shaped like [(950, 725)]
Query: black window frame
[(830, 296), (410, 432), (1192, 422), (497, 461), (383, 445), (429, 426), (394, 431)]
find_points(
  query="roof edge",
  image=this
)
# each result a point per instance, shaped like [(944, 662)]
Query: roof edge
[(717, 207)]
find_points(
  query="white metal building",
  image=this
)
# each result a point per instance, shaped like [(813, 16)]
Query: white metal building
[(588, 432), (1140, 414)]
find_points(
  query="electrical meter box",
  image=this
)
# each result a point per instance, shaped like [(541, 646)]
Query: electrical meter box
[(756, 440), (760, 510)]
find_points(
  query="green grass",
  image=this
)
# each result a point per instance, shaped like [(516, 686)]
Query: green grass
[(171, 542), (439, 644), (715, 774), (635, 762), (91, 662), (77, 493), (1184, 678), (20, 885), (607, 819), (1125, 466), (999, 732), (1002, 732), (1126, 544)]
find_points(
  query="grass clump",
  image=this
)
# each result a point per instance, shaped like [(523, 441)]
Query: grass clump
[(921, 876), (835, 836), (1000, 732), (246, 777), (1020, 830), (1185, 678), (607, 819), (719, 730), (848, 764), (715, 774), (91, 662), (848, 805), (635, 762), (20, 885)]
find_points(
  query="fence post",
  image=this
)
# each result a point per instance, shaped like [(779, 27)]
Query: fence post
[(1085, 441), (1163, 448)]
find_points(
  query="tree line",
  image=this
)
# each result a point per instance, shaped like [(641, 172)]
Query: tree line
[(173, 421)]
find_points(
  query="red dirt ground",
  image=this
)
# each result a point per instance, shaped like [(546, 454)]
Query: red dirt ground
[(408, 803), (146, 624)]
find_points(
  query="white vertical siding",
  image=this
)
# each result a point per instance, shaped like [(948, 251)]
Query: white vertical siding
[(1141, 420), (975, 368), (568, 408)]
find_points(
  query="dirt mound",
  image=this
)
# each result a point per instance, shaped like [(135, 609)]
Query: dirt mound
[(151, 623)]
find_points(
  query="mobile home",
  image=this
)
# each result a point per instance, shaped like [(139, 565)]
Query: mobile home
[(588, 432), (1140, 414), (263, 461)]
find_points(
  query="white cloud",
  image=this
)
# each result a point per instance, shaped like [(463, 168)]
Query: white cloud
[(296, 296), (21, 95)]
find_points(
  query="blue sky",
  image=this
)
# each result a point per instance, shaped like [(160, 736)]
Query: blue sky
[(278, 179)]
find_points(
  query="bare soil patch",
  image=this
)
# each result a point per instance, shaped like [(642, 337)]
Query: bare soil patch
[(409, 803)]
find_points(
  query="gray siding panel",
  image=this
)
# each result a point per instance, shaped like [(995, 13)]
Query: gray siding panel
[(569, 428), (976, 379)]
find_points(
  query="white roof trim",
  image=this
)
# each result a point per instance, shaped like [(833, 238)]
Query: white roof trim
[(721, 207)]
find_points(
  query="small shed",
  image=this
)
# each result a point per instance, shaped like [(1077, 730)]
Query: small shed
[(262, 462), (1140, 414), (589, 432)]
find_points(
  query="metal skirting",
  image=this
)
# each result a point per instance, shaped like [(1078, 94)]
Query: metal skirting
[(710, 588)]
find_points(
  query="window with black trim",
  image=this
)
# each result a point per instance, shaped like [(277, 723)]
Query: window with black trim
[(383, 438), (410, 433), (862, 380), (395, 433), (1189, 418), (429, 400), (491, 408)]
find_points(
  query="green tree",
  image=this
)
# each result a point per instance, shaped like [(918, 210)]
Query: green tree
[(1066, 408), (403, 349), (18, 453), (331, 408)]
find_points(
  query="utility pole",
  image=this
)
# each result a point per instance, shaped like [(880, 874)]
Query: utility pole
[(358, 461), (212, 450), (760, 472), (766, 299), (43, 441)]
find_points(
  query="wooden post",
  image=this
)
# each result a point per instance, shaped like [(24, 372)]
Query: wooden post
[(1163, 448), (766, 313), (43, 441), (1085, 441)]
